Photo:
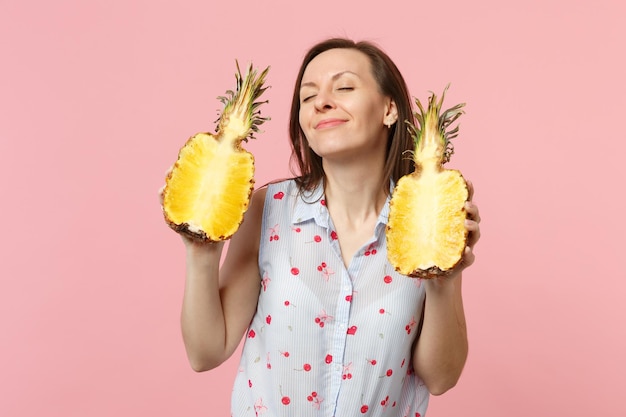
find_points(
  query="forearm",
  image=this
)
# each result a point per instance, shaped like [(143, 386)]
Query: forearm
[(441, 350), (202, 316)]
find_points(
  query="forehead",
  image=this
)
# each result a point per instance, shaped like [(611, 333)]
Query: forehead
[(335, 61)]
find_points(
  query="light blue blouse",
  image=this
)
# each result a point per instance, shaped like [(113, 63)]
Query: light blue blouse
[(327, 340)]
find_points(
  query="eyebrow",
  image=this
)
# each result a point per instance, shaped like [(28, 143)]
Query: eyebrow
[(334, 78)]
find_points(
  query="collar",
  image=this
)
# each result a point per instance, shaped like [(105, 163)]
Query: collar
[(311, 205)]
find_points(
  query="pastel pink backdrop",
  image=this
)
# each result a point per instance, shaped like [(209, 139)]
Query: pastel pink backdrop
[(97, 97)]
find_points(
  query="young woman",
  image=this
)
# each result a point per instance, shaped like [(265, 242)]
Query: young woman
[(330, 328)]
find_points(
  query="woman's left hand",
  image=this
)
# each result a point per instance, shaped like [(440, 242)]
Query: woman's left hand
[(472, 224)]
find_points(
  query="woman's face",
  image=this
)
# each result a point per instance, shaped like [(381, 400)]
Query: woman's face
[(342, 111)]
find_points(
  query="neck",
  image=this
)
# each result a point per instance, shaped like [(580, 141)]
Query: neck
[(355, 193)]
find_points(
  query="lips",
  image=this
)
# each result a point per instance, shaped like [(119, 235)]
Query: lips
[(327, 123)]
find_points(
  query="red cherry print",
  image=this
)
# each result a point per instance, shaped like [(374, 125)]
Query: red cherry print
[(273, 231), (333, 235), (307, 367), (279, 195), (265, 281), (322, 318), (287, 303), (381, 311), (352, 330), (250, 383), (370, 250), (364, 409), (295, 271), (285, 354), (323, 202), (328, 359), (313, 397), (402, 365), (389, 372), (296, 229), (410, 326), (285, 399), (326, 272), (372, 361), (418, 415), (268, 319), (387, 279), (348, 298), (251, 334), (316, 239)]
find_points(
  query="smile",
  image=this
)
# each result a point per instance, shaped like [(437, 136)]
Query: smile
[(327, 123)]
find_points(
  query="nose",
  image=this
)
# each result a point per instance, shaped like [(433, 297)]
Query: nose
[(324, 100)]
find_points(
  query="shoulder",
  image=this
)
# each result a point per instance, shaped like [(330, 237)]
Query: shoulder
[(275, 190), (282, 184), (284, 189)]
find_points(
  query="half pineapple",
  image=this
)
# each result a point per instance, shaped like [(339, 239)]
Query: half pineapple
[(208, 188), (426, 234)]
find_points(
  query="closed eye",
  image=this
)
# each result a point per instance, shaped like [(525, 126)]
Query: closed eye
[(304, 100)]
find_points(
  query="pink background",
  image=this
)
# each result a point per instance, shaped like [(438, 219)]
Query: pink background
[(96, 98)]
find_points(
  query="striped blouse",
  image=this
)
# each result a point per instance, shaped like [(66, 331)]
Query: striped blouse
[(326, 339)]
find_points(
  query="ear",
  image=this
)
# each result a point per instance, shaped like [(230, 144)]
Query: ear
[(391, 113)]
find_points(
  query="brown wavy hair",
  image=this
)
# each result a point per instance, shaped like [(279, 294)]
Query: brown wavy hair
[(391, 84)]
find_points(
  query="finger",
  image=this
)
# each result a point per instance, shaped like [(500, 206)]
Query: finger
[(468, 257), (161, 190), (470, 190), (473, 229), (472, 211)]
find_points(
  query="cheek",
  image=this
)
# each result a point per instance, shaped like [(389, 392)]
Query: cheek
[(370, 109)]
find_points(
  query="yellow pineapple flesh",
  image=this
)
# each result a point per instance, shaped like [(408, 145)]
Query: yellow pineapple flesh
[(426, 234), (208, 188)]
